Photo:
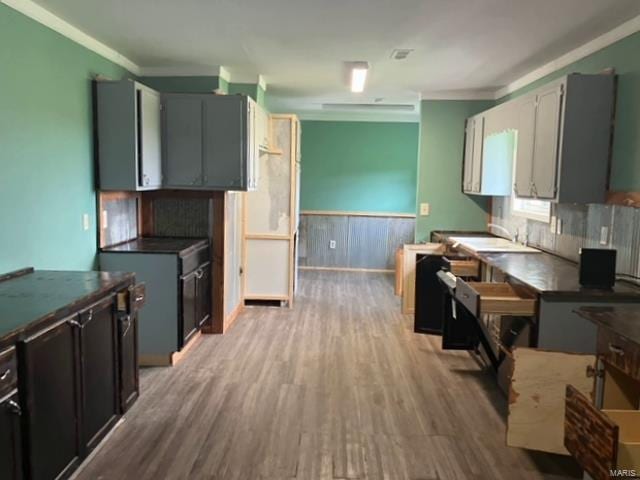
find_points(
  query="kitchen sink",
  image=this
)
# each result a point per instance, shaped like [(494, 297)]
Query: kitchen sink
[(492, 244)]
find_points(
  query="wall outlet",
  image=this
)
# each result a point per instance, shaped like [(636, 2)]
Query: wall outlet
[(425, 209), (553, 223), (604, 235), (104, 219), (85, 221), (332, 244), (559, 226)]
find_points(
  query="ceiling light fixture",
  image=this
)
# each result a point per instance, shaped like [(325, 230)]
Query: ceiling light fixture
[(359, 72)]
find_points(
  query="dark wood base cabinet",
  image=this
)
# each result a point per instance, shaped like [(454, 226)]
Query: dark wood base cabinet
[(65, 380)]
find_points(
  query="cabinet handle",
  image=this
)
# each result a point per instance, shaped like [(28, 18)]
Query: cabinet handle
[(126, 319), (75, 323), (199, 273), (616, 349), (5, 375), (13, 407), (594, 372), (138, 298)]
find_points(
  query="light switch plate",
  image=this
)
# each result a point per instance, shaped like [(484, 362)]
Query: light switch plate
[(559, 226), (553, 223), (332, 244), (425, 209), (85, 221)]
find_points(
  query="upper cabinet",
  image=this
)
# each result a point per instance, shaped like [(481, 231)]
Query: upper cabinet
[(564, 134), (128, 121), (488, 158), (209, 142), (560, 137), (149, 141)]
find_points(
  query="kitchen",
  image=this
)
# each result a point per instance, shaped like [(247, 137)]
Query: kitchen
[(202, 227)]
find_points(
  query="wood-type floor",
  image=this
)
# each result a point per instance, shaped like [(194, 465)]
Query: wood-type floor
[(338, 387)]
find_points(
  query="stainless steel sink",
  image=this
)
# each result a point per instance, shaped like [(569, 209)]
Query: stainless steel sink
[(492, 244)]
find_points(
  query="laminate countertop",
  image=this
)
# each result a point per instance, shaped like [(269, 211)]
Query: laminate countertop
[(547, 274), (623, 320), (179, 246), (36, 296)]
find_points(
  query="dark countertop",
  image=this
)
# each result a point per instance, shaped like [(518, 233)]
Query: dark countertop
[(36, 296), (624, 320), (547, 274), (179, 246)]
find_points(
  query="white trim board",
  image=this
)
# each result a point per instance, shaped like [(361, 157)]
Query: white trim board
[(185, 71), (48, 19)]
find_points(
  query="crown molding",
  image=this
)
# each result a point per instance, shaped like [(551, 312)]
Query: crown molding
[(346, 116), (64, 28), (185, 71), (612, 36)]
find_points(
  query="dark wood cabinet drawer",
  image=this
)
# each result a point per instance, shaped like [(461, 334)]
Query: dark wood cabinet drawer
[(619, 352), (496, 298), (194, 260), (133, 299), (8, 371), (601, 440)]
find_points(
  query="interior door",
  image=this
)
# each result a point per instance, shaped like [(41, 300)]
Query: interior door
[(149, 139), (545, 157), (525, 147), (99, 351), (10, 438), (225, 142), (537, 396), (478, 141), (183, 130), (467, 173), (51, 361)]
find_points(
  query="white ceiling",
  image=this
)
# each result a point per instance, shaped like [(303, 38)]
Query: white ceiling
[(299, 46)]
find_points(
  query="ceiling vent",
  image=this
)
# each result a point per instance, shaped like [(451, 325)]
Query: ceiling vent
[(401, 53)]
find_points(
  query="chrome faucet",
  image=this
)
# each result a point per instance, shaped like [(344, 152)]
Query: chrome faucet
[(514, 238)]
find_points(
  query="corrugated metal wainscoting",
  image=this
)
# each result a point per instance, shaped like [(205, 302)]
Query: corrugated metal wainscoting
[(361, 242)]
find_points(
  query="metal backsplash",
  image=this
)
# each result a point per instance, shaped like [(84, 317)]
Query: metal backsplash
[(360, 242), (121, 216), (581, 227)]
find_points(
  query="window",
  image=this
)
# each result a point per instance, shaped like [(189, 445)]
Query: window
[(533, 209)]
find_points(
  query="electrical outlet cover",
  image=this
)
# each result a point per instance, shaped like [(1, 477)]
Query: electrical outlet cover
[(424, 209), (604, 235)]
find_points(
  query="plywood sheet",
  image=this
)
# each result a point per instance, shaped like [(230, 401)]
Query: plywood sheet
[(267, 271), (233, 251), (537, 397)]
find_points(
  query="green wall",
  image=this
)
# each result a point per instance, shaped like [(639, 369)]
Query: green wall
[(46, 151), (252, 90), (440, 169), (624, 56), (359, 166)]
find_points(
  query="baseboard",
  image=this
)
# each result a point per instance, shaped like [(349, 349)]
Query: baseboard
[(345, 269), (170, 359), (233, 316)]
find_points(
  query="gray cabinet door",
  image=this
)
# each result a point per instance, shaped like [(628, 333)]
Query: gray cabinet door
[(467, 174), (478, 140), (225, 142), (149, 139), (545, 156), (183, 130), (525, 147)]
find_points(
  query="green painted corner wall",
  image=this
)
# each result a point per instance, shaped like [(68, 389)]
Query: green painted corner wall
[(359, 166), (46, 154), (623, 56), (184, 84), (252, 90), (440, 169)]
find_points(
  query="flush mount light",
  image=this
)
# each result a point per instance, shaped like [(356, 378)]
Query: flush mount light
[(359, 72)]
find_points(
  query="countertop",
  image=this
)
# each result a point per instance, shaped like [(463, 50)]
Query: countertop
[(179, 246), (547, 274), (623, 320), (42, 294)]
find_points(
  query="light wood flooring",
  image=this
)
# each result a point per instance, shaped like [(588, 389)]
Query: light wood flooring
[(338, 387)]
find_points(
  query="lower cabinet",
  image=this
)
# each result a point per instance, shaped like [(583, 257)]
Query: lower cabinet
[(99, 373), (196, 301), (51, 400), (10, 437)]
